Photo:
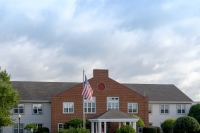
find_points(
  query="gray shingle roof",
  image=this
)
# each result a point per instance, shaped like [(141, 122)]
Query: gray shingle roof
[(40, 90), (160, 92), (113, 114), (43, 90)]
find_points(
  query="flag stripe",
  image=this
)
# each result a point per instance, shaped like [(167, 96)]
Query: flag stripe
[(87, 91)]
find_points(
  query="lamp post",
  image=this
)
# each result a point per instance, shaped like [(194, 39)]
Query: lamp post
[(19, 116)]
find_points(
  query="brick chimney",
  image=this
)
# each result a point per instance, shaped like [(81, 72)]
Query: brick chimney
[(100, 73)]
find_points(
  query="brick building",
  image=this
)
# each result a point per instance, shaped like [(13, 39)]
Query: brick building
[(51, 104)]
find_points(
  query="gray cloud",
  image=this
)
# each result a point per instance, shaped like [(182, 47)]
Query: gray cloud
[(139, 42)]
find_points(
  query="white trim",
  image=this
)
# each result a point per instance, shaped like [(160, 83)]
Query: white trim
[(35, 101), (112, 101), (68, 107), (170, 102), (60, 124), (114, 120)]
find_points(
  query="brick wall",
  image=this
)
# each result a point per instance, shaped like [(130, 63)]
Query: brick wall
[(113, 89)]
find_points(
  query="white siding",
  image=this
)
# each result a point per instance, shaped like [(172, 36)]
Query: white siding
[(28, 117), (157, 118)]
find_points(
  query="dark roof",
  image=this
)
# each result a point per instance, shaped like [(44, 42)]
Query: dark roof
[(113, 114), (40, 90), (43, 90), (160, 92)]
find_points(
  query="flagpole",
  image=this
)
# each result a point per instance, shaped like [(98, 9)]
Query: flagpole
[(83, 103)]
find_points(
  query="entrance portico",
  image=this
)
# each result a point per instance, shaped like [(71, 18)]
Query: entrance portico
[(111, 116)]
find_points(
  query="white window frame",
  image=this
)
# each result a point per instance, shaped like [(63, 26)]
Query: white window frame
[(113, 103), (16, 128), (134, 106), (19, 109), (62, 126), (90, 107), (69, 106), (38, 108), (182, 108), (166, 111), (38, 124), (150, 109)]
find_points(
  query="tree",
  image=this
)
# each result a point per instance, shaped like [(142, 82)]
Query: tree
[(186, 124), (167, 125), (75, 123), (194, 112), (31, 126), (9, 99), (140, 122)]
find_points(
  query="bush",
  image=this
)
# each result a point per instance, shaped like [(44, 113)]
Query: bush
[(157, 129), (194, 112), (31, 126), (125, 129), (140, 122), (43, 130), (149, 129), (77, 122), (74, 130), (167, 125), (186, 124)]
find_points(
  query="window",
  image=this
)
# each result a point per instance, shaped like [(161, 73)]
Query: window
[(140, 129), (90, 107), (181, 109), (16, 128), (150, 108), (39, 125), (37, 108), (150, 124), (68, 107), (164, 109), (132, 107), (112, 103), (19, 109), (60, 126)]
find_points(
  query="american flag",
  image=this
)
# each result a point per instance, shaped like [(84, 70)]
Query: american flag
[(87, 90)]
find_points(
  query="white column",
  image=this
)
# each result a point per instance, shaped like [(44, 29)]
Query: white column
[(134, 125), (96, 127), (105, 127), (92, 127), (99, 127), (119, 124)]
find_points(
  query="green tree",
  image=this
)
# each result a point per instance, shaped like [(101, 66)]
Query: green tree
[(167, 125), (76, 123), (31, 126), (126, 129), (140, 122), (9, 99), (194, 112), (186, 124)]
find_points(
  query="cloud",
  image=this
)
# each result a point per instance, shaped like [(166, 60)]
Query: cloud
[(154, 42)]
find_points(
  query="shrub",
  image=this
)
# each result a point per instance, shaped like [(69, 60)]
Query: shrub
[(157, 129), (149, 129), (76, 122), (194, 112), (28, 127), (43, 130), (140, 122), (167, 125), (186, 124), (125, 129), (74, 130)]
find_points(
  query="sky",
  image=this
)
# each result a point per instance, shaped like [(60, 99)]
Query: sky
[(144, 42)]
